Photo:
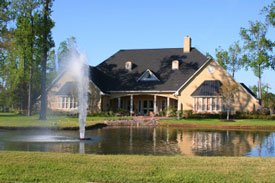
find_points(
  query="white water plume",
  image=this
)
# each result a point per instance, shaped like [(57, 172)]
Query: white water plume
[(79, 69)]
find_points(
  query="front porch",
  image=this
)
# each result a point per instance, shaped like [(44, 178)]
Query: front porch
[(144, 105)]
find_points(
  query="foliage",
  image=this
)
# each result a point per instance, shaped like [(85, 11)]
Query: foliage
[(231, 59), (20, 62), (63, 49), (269, 12), (222, 57), (46, 44), (258, 49)]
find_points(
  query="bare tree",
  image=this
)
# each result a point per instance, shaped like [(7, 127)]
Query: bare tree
[(228, 91)]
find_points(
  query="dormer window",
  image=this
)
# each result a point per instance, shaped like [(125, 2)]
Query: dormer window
[(175, 65), (128, 65), (148, 76)]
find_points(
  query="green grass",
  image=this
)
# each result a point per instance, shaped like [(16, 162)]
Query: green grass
[(252, 123), (61, 167), (13, 120)]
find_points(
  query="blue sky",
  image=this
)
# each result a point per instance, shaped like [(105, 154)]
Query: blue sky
[(102, 27)]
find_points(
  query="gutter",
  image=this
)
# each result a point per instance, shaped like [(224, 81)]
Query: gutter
[(143, 91)]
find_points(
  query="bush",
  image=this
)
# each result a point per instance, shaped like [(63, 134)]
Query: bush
[(187, 113)]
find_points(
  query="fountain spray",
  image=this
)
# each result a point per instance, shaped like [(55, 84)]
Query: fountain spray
[(79, 69)]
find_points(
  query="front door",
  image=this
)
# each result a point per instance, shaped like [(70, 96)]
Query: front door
[(148, 106)]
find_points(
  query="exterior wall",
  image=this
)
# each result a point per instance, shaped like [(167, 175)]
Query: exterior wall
[(94, 95), (52, 98), (94, 99), (105, 103), (213, 71)]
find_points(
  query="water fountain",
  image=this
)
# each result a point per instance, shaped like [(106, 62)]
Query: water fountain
[(79, 69)]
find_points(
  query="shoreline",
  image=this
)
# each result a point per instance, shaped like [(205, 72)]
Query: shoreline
[(132, 123)]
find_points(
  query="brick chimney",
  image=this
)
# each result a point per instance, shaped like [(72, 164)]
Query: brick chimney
[(187, 44)]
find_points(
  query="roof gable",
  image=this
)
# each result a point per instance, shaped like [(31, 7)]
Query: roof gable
[(68, 89), (148, 76)]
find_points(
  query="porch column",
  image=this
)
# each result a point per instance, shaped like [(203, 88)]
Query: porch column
[(168, 106), (131, 105), (168, 102), (211, 103), (179, 109), (179, 105), (119, 103), (155, 104)]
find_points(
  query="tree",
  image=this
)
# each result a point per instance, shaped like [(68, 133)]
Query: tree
[(269, 12), (25, 49), (230, 60), (5, 18), (228, 91), (63, 50), (258, 49), (270, 102), (47, 43), (222, 57), (234, 54), (51, 67), (265, 91)]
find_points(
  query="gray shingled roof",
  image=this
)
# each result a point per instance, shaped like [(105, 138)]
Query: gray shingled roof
[(248, 90), (208, 88), (111, 74), (69, 88)]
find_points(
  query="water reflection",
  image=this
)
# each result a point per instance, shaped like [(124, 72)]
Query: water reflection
[(138, 140), (224, 143)]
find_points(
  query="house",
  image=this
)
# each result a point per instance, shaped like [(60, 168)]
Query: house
[(153, 80)]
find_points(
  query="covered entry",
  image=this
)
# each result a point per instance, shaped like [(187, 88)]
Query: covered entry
[(138, 104)]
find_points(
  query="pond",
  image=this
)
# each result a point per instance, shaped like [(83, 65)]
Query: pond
[(140, 140)]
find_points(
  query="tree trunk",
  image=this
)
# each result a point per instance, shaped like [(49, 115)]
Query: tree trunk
[(228, 114), (260, 84), (29, 113), (43, 109)]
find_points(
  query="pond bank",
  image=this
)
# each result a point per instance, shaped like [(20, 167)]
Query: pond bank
[(216, 124), (69, 123)]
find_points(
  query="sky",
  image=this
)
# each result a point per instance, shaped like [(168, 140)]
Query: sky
[(103, 27)]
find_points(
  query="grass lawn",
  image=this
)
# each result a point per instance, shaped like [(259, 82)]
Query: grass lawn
[(61, 167), (13, 120), (217, 123)]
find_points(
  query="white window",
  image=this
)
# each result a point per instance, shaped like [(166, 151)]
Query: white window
[(206, 104), (175, 65), (67, 102), (148, 76), (128, 65)]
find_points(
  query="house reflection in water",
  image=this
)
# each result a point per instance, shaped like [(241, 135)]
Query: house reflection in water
[(219, 143)]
